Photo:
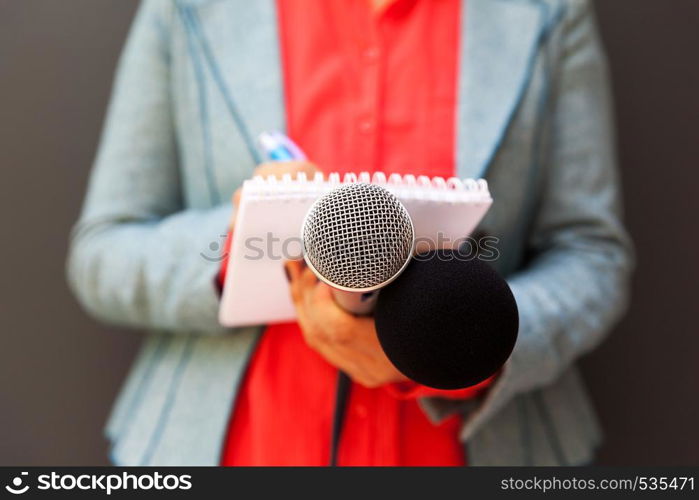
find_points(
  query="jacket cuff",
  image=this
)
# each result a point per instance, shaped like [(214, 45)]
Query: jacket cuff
[(413, 390)]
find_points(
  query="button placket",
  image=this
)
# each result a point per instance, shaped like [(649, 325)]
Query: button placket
[(367, 122)]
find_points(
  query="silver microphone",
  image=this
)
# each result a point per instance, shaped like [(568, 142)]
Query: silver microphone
[(357, 238)]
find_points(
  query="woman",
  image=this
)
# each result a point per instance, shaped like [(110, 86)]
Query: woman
[(515, 92)]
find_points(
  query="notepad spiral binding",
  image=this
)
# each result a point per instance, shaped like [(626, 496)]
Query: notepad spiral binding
[(407, 180), (420, 187)]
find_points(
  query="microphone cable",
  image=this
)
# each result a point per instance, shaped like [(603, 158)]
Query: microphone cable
[(344, 384)]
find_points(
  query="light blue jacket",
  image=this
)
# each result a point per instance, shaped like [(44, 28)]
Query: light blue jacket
[(533, 117)]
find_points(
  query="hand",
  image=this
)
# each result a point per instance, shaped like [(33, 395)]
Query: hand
[(277, 169), (346, 341)]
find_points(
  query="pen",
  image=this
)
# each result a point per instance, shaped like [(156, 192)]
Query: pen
[(278, 147)]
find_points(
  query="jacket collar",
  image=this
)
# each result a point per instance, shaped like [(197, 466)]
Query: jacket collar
[(238, 44), (497, 58)]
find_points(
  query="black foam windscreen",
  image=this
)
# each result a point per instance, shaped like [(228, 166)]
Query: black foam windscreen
[(447, 322)]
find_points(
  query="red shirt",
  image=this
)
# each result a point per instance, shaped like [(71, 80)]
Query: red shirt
[(365, 90)]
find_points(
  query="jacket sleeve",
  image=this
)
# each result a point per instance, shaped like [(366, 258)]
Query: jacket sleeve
[(575, 286), (135, 254)]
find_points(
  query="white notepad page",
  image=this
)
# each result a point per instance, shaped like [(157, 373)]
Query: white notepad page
[(268, 227)]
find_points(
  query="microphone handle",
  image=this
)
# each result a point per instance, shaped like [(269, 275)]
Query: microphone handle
[(357, 303)]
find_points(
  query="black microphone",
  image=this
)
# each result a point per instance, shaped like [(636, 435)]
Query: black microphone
[(447, 322)]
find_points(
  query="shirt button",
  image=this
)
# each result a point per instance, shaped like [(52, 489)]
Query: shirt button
[(370, 54), (361, 411), (366, 126)]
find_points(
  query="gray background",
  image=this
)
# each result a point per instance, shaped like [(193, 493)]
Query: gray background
[(59, 370)]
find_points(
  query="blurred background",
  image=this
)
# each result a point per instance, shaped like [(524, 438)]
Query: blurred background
[(60, 370)]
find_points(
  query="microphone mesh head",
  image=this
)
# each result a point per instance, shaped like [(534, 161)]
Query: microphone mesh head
[(358, 237)]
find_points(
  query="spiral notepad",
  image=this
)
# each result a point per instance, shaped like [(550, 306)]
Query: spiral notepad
[(271, 213)]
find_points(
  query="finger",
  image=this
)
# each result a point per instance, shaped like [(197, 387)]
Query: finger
[(319, 302), (269, 169), (347, 364), (314, 299), (309, 169), (236, 197), (373, 368), (355, 370), (305, 283), (364, 338), (281, 168), (330, 338), (308, 278), (322, 297), (324, 293), (293, 270), (341, 325), (358, 368)]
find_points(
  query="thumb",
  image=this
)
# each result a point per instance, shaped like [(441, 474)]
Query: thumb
[(324, 298)]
